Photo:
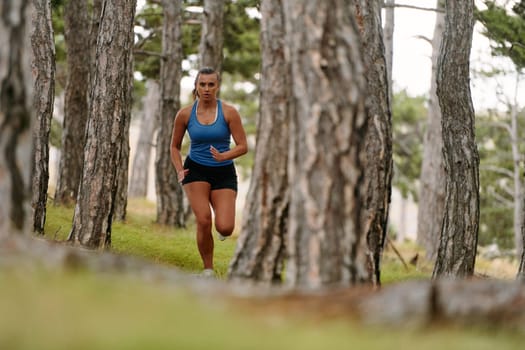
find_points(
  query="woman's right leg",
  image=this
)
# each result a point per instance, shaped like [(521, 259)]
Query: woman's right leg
[(198, 194)]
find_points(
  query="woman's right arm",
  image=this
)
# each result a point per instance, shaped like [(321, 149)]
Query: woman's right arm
[(179, 128)]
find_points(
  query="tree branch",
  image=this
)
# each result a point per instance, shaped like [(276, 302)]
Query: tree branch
[(498, 170), (148, 53), (413, 7), (501, 125), (422, 37)]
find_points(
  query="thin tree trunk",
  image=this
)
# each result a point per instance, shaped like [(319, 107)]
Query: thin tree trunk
[(170, 208), (432, 180), (327, 136), (111, 100), (261, 248), (138, 185), (43, 62), (521, 270), (378, 140), (76, 30), (16, 117), (459, 235), (402, 219), (212, 36), (516, 160)]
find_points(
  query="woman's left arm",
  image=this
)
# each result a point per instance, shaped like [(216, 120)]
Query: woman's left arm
[(233, 119)]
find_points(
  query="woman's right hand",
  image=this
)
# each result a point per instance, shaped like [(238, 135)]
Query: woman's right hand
[(181, 174)]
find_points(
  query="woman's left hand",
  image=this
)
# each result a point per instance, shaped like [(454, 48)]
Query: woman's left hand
[(216, 154)]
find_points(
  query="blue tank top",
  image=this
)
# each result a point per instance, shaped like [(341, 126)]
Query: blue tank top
[(203, 136)]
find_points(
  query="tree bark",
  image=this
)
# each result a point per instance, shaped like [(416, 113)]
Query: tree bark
[(93, 34), (327, 145), (432, 180), (261, 247), (111, 100), (43, 62), (170, 208), (138, 185), (121, 198), (212, 36), (16, 117), (378, 141), (76, 32), (459, 233), (388, 36)]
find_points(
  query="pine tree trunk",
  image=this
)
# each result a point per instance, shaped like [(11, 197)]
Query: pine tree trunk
[(327, 144), (93, 34), (76, 30), (170, 208), (138, 185), (432, 179), (111, 100), (43, 62), (121, 198), (261, 247), (388, 36), (16, 117), (457, 249), (212, 36), (378, 141)]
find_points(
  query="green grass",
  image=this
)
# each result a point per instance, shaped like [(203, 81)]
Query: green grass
[(140, 236), (44, 309)]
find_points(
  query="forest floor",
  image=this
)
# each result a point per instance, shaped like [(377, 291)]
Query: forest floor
[(45, 307)]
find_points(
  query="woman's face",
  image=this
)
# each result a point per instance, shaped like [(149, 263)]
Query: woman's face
[(207, 86)]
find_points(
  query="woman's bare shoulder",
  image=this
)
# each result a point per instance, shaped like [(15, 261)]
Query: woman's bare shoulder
[(184, 112)]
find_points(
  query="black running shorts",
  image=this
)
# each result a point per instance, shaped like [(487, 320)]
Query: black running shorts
[(217, 176)]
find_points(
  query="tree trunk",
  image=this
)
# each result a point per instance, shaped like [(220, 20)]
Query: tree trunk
[(76, 30), (138, 185), (111, 100), (517, 181), (212, 36), (16, 117), (121, 198), (388, 36), (432, 179), (327, 144), (459, 234), (261, 248), (43, 62), (170, 208), (93, 34), (378, 140), (521, 270)]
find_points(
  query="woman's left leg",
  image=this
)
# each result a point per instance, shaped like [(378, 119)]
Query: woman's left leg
[(223, 204)]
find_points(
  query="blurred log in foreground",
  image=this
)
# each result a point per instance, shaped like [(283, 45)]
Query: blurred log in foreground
[(480, 302)]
